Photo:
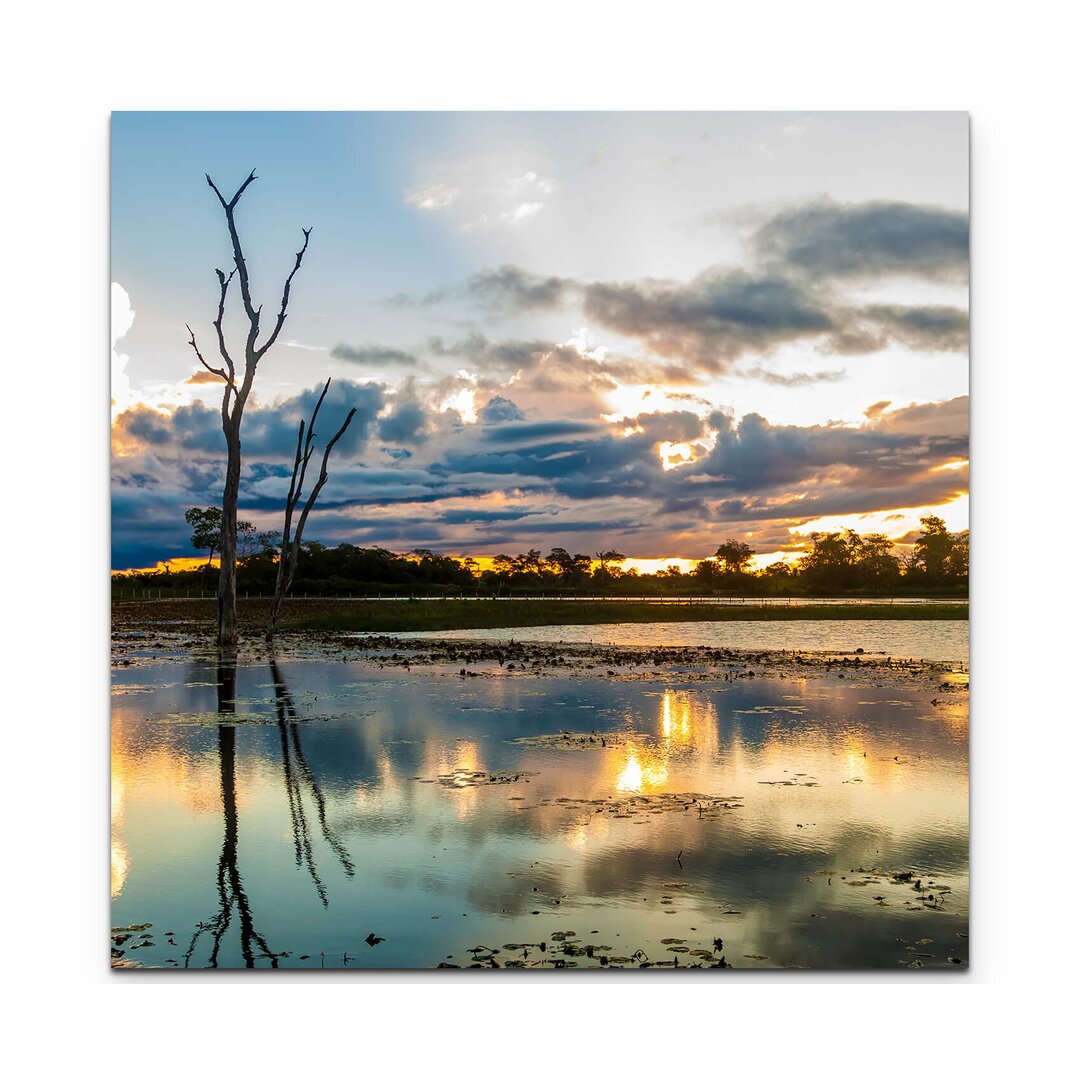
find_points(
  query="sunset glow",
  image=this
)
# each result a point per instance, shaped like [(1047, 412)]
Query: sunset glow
[(545, 382)]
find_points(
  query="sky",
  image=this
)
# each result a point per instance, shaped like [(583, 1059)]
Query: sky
[(644, 331)]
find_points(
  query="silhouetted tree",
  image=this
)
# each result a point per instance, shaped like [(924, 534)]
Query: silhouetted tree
[(830, 563), (734, 556), (238, 383), (607, 558), (205, 525), (572, 569), (290, 542), (875, 563)]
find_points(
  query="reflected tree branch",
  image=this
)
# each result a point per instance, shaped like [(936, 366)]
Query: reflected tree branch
[(230, 886), (292, 754)]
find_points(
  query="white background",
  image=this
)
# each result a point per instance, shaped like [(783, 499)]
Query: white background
[(67, 65)]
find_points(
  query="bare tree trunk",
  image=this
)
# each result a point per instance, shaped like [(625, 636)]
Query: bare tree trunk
[(227, 617), (234, 399), (290, 544)]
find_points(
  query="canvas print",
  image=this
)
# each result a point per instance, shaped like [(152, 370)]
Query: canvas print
[(539, 541)]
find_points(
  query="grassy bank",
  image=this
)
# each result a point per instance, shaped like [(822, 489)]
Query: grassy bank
[(421, 615), (482, 615)]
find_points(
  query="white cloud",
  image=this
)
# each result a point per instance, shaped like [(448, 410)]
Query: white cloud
[(307, 348), (121, 319), (483, 194), (432, 197), (521, 212)]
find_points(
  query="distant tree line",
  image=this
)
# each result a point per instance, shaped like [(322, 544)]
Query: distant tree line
[(836, 563)]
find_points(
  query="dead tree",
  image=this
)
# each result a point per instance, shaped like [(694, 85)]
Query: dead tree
[(234, 398), (290, 541)]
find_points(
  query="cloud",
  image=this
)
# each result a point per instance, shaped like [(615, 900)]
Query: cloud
[(514, 289), (483, 193), (939, 418), (520, 212), (202, 377), (373, 356), (407, 420), (507, 481), (921, 328), (792, 290), (306, 348), (927, 328), (798, 378), (121, 320), (269, 431), (711, 320), (867, 240), (506, 356), (499, 410), (432, 197)]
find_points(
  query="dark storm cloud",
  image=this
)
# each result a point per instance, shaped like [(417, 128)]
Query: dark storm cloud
[(669, 426), (714, 318), (405, 424), (513, 289), (508, 356), (373, 356), (505, 288), (754, 454), (541, 429), (787, 292), (569, 477), (270, 431), (799, 378), (499, 410), (933, 327), (145, 425), (867, 240)]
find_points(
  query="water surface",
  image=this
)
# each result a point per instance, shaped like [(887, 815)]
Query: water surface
[(944, 639), (279, 816)]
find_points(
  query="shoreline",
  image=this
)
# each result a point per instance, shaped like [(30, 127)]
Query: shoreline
[(366, 616), (466, 658)]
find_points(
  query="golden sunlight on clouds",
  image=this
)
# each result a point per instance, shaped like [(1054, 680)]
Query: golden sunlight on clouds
[(462, 400), (893, 523), (172, 566), (652, 566), (673, 454), (759, 562), (627, 401)]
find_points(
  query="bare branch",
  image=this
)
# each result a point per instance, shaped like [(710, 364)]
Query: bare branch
[(283, 313), (309, 447), (324, 475), (238, 254), (290, 543), (240, 191), (213, 370), (223, 282)]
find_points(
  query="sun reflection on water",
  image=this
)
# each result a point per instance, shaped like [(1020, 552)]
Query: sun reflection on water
[(120, 859)]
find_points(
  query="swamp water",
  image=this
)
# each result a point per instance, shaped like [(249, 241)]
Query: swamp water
[(938, 639), (320, 813)]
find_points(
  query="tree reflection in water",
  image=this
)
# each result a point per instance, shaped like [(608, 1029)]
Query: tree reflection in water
[(295, 770), (294, 767)]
